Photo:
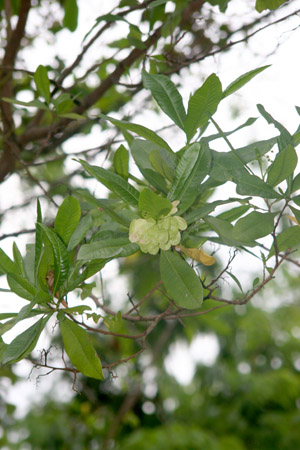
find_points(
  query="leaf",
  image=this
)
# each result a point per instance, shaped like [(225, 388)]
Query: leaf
[(254, 226), (140, 130), (198, 255), (261, 5), (192, 168), (235, 279), (247, 184), (167, 96), (162, 165), (20, 286), (77, 309), (202, 105), (79, 349), (71, 14), (114, 183), (296, 183), (141, 152), (180, 281), (289, 238), (121, 162), (67, 218), (157, 3), (34, 103), (242, 80), (80, 232), (60, 255), (225, 230), (285, 138), (283, 166), (107, 248), (204, 210), (24, 343), (38, 243), (152, 205), (6, 264), (42, 82)]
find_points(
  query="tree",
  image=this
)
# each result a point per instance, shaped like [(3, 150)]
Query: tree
[(160, 218)]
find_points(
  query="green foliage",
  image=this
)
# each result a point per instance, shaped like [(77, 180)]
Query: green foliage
[(79, 349)]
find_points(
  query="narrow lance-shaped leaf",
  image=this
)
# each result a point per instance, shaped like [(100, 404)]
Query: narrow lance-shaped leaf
[(38, 242), (67, 218), (283, 166), (167, 96), (79, 349), (20, 286), (24, 343), (202, 105), (192, 168), (140, 130), (71, 14), (60, 255), (19, 260), (107, 248), (42, 82), (82, 228), (114, 183), (121, 162), (242, 80), (180, 281), (285, 137), (6, 264)]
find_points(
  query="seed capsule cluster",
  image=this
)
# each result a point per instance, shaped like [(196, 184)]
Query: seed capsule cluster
[(152, 235)]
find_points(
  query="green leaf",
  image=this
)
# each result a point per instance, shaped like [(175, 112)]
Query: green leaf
[(157, 3), (6, 264), (242, 80), (42, 82), (71, 14), (285, 137), (141, 152), (60, 255), (140, 130), (67, 218), (161, 164), (79, 349), (261, 5), (77, 309), (34, 103), (121, 162), (283, 166), (204, 210), (296, 183), (114, 183), (192, 168), (202, 105), (38, 243), (24, 343), (254, 226), (167, 96), (82, 228), (107, 248), (20, 286), (289, 238), (152, 205), (225, 230), (180, 281), (247, 184), (235, 279)]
